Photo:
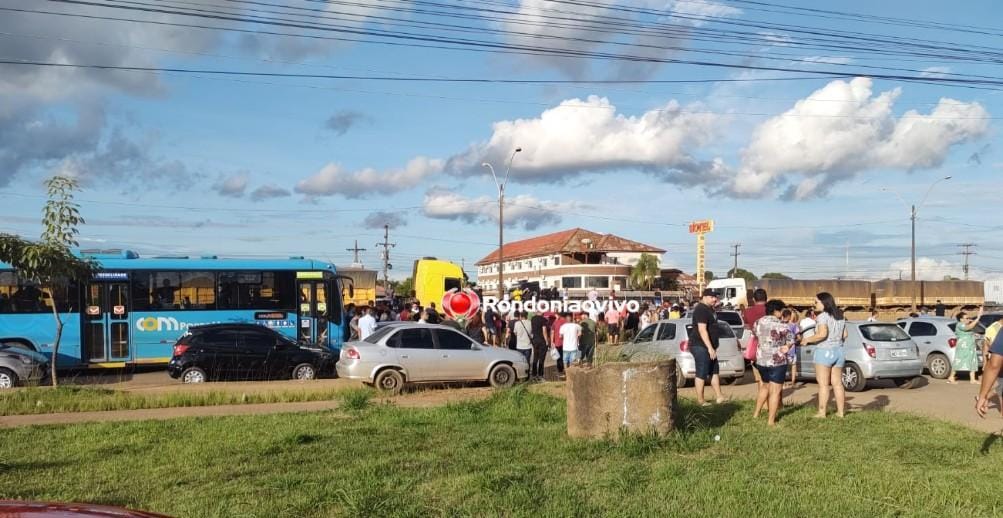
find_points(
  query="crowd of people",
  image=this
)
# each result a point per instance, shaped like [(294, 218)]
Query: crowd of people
[(777, 332)]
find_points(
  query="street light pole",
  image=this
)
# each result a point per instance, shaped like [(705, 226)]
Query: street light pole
[(501, 219), (912, 218)]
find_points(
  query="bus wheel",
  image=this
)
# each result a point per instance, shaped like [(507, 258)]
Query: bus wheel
[(193, 375), (8, 379)]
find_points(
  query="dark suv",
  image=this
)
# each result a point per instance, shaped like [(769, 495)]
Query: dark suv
[(244, 351)]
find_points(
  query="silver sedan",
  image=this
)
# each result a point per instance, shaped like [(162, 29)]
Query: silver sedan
[(414, 353), (19, 365)]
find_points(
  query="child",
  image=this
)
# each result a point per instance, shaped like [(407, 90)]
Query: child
[(791, 317)]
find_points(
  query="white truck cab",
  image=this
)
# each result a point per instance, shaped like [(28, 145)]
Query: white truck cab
[(731, 292)]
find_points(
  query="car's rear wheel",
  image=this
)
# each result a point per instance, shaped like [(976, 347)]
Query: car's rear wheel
[(939, 366), (389, 380), (502, 376), (8, 379), (193, 375), (906, 383), (853, 378), (304, 371), (680, 377)]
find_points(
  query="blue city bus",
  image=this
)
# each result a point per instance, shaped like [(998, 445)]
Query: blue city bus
[(134, 309)]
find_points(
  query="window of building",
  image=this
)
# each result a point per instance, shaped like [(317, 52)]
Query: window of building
[(571, 282), (595, 281)]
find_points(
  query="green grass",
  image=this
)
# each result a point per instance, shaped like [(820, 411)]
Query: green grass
[(355, 399), (42, 400), (509, 456)]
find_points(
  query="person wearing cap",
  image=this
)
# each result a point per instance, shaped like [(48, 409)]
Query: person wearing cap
[(703, 342)]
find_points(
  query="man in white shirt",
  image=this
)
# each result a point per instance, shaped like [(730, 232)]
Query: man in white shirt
[(367, 324), (570, 333)]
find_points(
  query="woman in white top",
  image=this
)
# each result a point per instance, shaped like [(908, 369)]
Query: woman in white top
[(830, 332)]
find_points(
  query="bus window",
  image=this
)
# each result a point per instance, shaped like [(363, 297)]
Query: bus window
[(451, 282), (257, 290)]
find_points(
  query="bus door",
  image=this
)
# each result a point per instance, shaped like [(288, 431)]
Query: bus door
[(106, 322), (312, 326)]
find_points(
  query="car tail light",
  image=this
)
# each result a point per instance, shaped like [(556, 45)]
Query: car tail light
[(180, 349), (873, 353), (352, 354), (952, 342), (684, 346)]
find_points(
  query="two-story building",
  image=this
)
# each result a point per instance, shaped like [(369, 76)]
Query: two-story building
[(576, 260)]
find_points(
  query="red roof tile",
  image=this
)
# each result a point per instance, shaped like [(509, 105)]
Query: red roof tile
[(567, 241)]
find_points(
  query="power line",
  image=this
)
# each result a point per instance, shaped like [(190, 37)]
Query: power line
[(481, 45), (355, 257)]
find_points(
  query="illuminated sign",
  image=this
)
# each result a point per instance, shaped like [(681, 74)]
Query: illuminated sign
[(309, 275), (274, 315)]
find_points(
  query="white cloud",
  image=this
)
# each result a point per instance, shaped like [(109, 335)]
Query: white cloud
[(927, 269), (532, 26), (378, 219), (522, 210), (935, 71), (824, 142), (590, 136), (333, 179), (828, 60), (266, 192), (232, 186)]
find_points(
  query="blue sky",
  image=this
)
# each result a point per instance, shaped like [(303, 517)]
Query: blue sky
[(794, 170)]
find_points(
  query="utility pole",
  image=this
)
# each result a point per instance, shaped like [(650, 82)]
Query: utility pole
[(966, 253), (385, 254), (912, 216), (356, 262), (735, 254)]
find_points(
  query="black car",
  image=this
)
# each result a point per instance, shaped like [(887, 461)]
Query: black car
[(244, 351)]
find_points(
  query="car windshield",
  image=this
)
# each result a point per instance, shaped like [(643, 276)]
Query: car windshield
[(379, 334), (883, 333), (732, 318)]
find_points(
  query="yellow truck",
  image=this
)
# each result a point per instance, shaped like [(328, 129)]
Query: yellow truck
[(433, 278)]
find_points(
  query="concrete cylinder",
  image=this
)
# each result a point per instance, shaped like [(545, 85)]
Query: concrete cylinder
[(617, 398)]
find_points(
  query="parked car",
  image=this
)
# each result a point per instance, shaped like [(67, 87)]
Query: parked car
[(24, 509), (737, 323), (412, 352), (987, 319), (936, 340), (669, 339), (873, 351), (244, 351), (20, 365)]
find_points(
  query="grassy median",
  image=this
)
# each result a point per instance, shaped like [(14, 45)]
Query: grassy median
[(45, 400), (508, 455)]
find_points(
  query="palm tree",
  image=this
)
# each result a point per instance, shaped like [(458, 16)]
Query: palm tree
[(645, 271)]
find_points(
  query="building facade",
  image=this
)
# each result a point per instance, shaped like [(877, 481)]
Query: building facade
[(576, 260)]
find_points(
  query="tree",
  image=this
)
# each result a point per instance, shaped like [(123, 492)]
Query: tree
[(49, 262), (645, 271), (742, 274), (405, 287), (951, 278), (775, 275), (708, 275)]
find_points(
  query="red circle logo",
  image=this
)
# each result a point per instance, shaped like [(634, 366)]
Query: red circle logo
[(460, 303)]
